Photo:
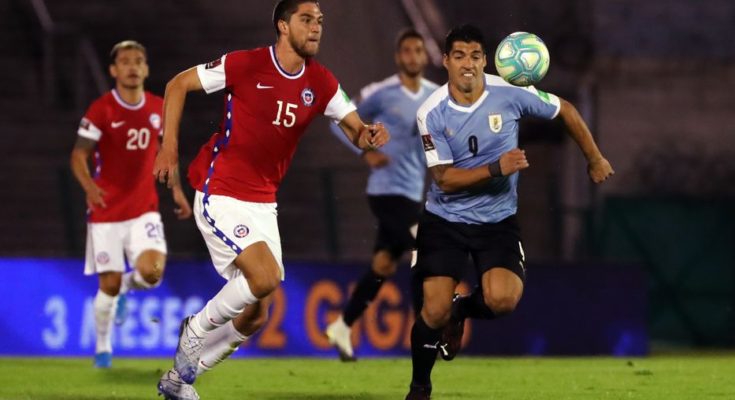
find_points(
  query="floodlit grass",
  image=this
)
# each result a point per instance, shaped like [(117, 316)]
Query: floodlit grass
[(696, 376)]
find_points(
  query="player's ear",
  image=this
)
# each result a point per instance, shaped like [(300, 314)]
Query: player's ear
[(113, 71), (445, 61), (283, 26)]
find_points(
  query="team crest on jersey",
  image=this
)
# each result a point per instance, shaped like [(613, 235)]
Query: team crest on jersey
[(102, 258), (213, 64), (428, 143), (155, 120), (241, 231), (307, 97), (496, 122)]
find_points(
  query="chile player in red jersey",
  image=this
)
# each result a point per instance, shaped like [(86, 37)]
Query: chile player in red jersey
[(121, 129), (271, 96)]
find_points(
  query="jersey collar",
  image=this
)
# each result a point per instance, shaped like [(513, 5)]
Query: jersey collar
[(125, 105), (280, 69)]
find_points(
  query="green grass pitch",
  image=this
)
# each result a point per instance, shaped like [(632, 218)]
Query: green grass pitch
[(695, 376)]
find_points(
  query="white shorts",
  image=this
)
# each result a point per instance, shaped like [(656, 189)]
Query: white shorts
[(233, 225), (110, 243)]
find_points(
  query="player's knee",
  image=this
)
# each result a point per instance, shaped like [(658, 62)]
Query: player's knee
[(436, 315), (501, 304), (264, 284), (152, 276), (110, 290), (385, 269)]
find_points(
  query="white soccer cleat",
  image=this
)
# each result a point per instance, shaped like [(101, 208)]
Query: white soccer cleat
[(173, 388), (339, 335), (188, 352)]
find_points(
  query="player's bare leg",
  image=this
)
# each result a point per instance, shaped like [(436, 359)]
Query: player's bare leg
[(498, 295), (226, 339), (147, 274), (426, 333), (261, 275), (339, 332), (105, 303)]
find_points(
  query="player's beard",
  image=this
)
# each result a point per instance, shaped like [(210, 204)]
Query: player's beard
[(302, 49), (412, 71)]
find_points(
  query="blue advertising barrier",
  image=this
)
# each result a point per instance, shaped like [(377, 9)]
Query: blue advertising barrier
[(47, 310)]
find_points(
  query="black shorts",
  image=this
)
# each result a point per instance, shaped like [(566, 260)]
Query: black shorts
[(444, 246), (396, 215)]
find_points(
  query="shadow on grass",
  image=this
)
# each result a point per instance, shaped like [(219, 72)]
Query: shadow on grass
[(302, 396), (127, 375)]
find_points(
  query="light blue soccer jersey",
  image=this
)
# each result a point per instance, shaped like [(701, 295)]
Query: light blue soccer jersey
[(469, 137), (391, 103)]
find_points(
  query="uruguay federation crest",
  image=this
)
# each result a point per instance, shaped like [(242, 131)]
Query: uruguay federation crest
[(496, 122), (307, 97), (241, 231), (155, 120)]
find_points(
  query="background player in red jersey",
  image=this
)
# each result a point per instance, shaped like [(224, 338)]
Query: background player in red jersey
[(121, 129), (271, 96)]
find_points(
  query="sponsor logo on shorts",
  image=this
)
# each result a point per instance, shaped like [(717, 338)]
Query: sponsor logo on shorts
[(102, 258), (307, 97), (241, 231)]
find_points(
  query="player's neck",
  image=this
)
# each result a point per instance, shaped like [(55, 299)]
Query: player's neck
[(466, 99), (412, 83), (287, 58), (130, 96)]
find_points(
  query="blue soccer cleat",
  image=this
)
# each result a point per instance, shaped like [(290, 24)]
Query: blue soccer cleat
[(103, 360)]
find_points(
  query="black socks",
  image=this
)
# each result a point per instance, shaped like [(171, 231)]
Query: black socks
[(364, 293)]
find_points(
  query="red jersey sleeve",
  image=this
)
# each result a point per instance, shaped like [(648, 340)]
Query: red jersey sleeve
[(337, 104), (214, 75), (94, 120)]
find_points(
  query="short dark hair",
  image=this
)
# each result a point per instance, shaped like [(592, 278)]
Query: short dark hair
[(284, 9), (407, 33), (464, 33), (126, 45)]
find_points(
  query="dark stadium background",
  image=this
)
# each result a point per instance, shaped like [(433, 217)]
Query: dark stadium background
[(653, 79)]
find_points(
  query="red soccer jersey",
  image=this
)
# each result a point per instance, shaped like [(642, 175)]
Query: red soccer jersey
[(266, 112), (127, 143)]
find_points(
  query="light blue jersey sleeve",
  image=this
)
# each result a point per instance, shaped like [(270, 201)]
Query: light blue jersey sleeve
[(538, 103), (432, 129), (528, 99)]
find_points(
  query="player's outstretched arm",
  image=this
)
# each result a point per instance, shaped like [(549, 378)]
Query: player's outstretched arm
[(598, 167), (452, 179), (167, 161), (364, 137), (83, 149)]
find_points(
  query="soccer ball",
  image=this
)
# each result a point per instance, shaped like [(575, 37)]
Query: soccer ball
[(522, 59)]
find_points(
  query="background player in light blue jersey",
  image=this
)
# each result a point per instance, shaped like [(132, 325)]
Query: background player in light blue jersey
[(396, 183), (469, 132)]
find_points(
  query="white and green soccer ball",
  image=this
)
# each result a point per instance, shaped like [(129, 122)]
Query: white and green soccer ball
[(522, 59)]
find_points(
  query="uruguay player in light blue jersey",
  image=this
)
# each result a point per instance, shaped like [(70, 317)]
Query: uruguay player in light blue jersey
[(396, 183), (469, 133)]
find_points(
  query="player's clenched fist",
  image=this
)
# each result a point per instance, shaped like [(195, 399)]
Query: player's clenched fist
[(599, 170), (166, 167), (513, 161), (373, 136)]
